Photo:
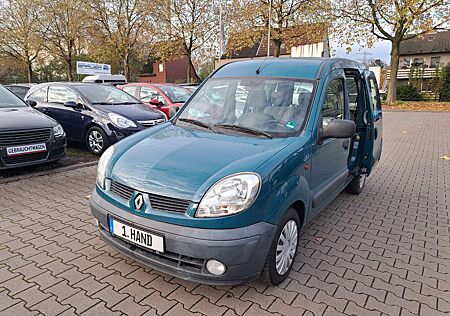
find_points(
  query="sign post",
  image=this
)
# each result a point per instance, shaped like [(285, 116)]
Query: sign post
[(87, 68)]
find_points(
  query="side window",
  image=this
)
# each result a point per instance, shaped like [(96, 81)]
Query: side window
[(333, 107), (61, 95), (39, 95), (374, 94), (148, 94), (130, 90)]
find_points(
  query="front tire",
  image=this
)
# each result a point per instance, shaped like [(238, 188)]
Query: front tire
[(283, 250), (96, 140), (356, 186)]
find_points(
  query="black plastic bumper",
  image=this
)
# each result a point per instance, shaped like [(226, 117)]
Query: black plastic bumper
[(56, 151), (187, 249)]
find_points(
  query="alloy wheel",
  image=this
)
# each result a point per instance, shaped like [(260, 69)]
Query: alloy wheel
[(96, 141), (286, 247)]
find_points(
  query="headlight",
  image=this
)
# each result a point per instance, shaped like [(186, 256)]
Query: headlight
[(102, 163), (121, 121), (58, 131), (230, 195)]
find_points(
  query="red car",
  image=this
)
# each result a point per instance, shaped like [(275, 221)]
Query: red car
[(162, 96)]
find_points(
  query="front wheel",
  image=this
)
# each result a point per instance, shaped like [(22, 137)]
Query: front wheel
[(283, 250), (356, 186), (96, 140)]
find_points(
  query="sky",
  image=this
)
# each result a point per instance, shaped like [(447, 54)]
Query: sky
[(380, 50)]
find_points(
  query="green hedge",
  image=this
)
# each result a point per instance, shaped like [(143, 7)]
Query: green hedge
[(408, 93)]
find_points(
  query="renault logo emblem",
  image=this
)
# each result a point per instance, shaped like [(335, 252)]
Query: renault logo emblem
[(138, 201)]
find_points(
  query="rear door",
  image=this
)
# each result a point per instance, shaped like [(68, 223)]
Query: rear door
[(374, 117)]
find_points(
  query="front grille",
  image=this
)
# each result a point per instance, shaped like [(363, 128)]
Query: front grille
[(14, 160), (121, 190), (168, 204), (24, 137), (151, 122), (158, 202)]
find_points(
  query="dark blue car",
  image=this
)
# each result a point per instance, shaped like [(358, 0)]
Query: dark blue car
[(96, 114)]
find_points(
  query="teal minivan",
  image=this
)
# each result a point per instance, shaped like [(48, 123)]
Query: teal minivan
[(218, 194)]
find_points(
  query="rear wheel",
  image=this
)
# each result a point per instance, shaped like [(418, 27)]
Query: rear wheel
[(356, 186), (96, 140), (283, 249)]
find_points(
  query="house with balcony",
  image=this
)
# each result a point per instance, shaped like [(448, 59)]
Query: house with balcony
[(422, 57)]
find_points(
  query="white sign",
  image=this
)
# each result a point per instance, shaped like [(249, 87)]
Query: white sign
[(27, 149), (87, 68)]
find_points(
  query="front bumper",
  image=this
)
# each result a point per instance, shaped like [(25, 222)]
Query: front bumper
[(242, 250), (56, 151)]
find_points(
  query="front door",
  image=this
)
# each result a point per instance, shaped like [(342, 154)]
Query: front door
[(71, 119), (374, 145), (330, 157)]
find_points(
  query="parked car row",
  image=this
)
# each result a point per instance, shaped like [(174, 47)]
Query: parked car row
[(96, 114)]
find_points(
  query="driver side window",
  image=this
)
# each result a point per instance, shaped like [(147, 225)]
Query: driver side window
[(147, 94), (333, 106)]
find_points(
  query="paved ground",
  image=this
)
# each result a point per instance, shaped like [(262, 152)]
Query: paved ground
[(386, 251)]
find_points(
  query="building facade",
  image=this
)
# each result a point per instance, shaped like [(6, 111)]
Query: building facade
[(422, 57)]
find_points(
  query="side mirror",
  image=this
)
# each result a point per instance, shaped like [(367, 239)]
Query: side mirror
[(339, 129), (155, 102), (31, 103), (71, 104)]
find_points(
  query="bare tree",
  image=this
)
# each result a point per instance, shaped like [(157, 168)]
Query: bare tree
[(391, 20), (19, 33), (191, 24), (124, 24), (64, 27)]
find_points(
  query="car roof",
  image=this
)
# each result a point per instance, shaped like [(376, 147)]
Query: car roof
[(105, 77), (305, 68), (25, 85), (64, 84)]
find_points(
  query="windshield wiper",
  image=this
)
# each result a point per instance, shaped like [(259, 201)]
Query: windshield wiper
[(243, 129), (198, 123)]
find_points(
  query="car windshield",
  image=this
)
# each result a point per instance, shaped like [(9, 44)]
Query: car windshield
[(101, 94), (9, 99), (176, 94), (274, 107)]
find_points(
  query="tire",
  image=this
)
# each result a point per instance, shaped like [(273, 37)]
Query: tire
[(356, 186), (272, 274), (96, 140)]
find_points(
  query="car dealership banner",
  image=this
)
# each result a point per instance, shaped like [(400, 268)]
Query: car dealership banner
[(87, 68)]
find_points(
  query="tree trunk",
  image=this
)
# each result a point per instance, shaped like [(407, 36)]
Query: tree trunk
[(29, 71), (69, 68), (126, 66), (191, 70), (392, 88), (277, 50)]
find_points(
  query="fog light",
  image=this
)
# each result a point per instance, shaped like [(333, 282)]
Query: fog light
[(215, 267)]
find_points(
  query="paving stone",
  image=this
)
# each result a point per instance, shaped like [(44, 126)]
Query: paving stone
[(130, 307)]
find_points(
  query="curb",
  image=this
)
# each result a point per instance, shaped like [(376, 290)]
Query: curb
[(415, 111), (49, 172)]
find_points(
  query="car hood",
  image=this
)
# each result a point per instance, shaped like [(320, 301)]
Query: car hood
[(184, 163), (23, 118), (135, 112)]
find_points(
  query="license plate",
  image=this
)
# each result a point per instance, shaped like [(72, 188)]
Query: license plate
[(136, 236), (26, 149)]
